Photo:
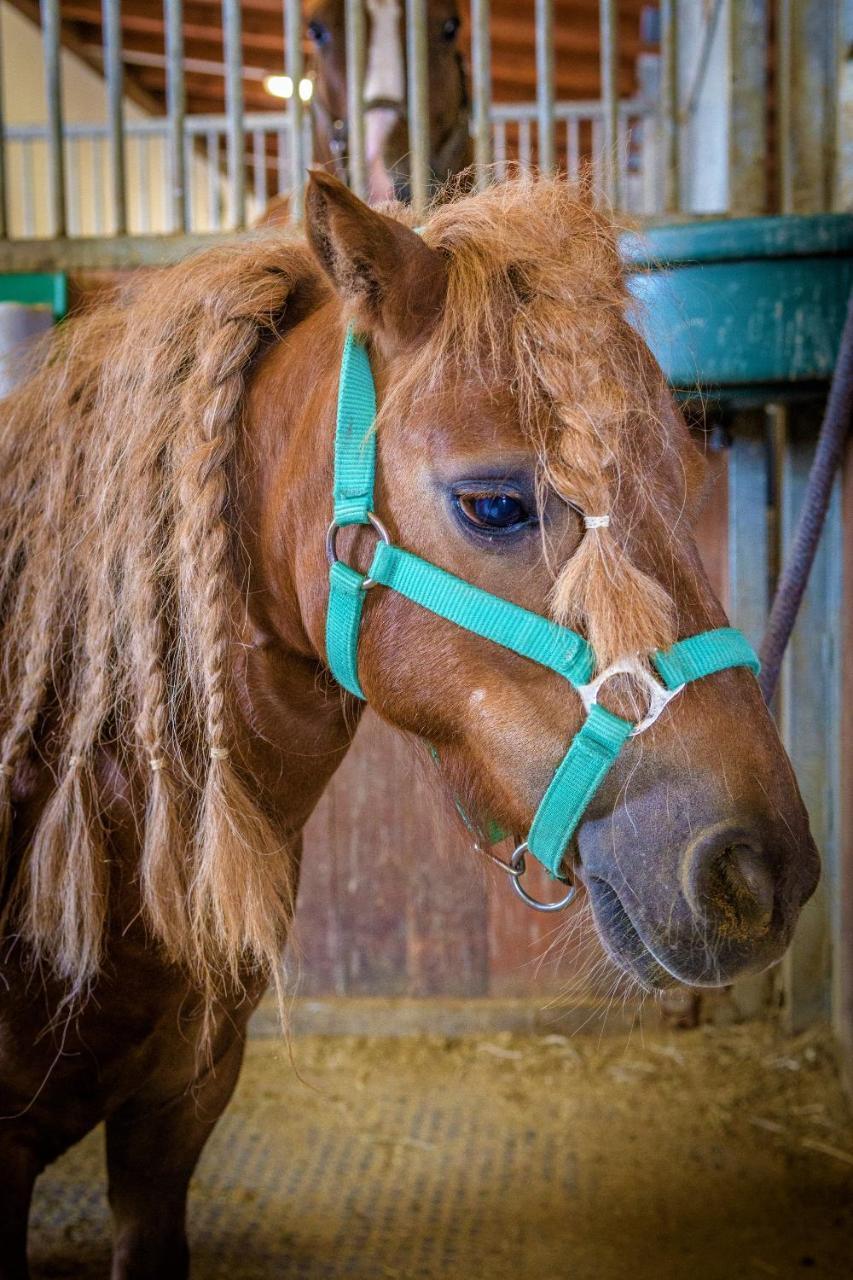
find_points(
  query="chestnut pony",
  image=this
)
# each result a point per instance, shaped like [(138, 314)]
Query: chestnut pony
[(168, 716)]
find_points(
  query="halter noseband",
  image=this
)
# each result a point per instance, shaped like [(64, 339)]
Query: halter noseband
[(596, 745)]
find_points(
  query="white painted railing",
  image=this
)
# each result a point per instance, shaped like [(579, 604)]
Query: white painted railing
[(149, 175)]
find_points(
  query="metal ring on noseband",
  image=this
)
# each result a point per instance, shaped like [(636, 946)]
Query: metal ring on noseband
[(331, 538), (658, 695), (516, 862)]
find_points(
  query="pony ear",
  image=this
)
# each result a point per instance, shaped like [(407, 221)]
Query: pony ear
[(396, 282)]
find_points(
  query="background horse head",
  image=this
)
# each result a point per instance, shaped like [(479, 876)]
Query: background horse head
[(168, 716), (386, 127)]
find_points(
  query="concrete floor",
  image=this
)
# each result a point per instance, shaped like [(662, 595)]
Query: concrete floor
[(709, 1155)]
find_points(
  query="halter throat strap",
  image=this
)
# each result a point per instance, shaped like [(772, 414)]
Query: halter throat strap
[(596, 746)]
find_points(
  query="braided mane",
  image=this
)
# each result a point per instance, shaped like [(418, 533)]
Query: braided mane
[(118, 595)]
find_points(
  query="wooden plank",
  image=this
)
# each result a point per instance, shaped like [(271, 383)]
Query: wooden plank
[(815, 41), (749, 587), (712, 533), (810, 721), (748, 52), (446, 927)]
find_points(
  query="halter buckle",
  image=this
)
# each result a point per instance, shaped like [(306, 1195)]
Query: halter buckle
[(517, 869), (659, 696), (332, 537)]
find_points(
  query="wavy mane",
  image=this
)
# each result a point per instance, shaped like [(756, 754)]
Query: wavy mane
[(118, 599), (120, 574)]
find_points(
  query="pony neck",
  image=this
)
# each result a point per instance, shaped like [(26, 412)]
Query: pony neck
[(288, 698)]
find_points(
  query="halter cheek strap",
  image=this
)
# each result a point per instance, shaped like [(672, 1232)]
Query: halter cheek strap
[(600, 739)]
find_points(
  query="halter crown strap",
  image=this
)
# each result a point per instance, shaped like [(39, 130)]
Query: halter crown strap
[(597, 744)]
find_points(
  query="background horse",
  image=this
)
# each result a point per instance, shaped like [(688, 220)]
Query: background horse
[(386, 125), (168, 718)]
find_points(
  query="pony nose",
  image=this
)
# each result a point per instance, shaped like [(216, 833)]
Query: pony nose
[(729, 881)]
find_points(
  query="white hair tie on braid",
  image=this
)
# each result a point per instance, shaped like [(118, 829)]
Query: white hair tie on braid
[(220, 753), (156, 763), (596, 522)]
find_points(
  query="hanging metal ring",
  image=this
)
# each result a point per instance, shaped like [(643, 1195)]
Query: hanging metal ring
[(517, 864), (331, 540)]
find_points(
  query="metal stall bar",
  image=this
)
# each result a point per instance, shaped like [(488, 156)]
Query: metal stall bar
[(670, 144), (232, 42), (481, 85), (294, 67), (176, 106), (52, 50), (418, 102), (545, 83), (355, 46), (610, 100), (114, 73)]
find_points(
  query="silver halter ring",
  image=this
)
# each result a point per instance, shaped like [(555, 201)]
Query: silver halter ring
[(332, 537), (658, 695), (516, 862)]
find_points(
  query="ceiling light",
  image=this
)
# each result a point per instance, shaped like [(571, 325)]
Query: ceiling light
[(281, 86)]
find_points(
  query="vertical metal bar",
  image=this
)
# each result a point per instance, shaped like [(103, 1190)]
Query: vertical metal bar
[(233, 49), (418, 72), (212, 163), (73, 154), (114, 73), (259, 164), (669, 110), (783, 106), (545, 83), (524, 145), (4, 214), (98, 183), (481, 85), (176, 105), (28, 188), (500, 150), (51, 38), (189, 191), (146, 188), (573, 151), (596, 158), (282, 158), (294, 66), (355, 46), (610, 99)]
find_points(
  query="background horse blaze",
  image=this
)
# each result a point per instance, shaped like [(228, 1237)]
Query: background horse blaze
[(168, 718), (386, 127)]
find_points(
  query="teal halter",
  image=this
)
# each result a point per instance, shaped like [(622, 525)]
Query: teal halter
[(596, 745)]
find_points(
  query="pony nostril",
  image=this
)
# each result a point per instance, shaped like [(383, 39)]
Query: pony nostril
[(745, 887), (729, 882)]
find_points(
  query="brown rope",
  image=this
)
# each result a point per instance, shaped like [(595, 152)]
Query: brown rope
[(795, 575)]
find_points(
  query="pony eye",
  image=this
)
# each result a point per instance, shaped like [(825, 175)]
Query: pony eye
[(450, 30), (318, 32), (496, 512)]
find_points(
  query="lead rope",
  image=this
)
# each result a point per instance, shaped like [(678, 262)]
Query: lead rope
[(834, 431)]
